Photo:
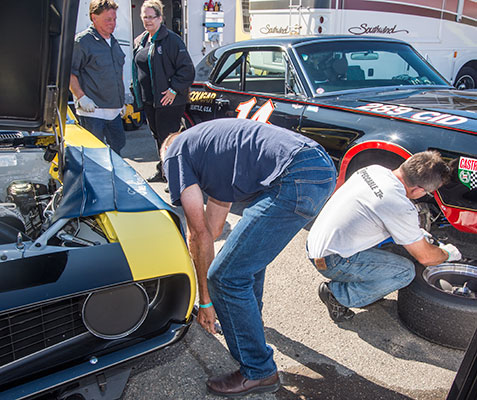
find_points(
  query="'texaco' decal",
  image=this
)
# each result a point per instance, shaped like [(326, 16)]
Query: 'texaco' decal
[(408, 112)]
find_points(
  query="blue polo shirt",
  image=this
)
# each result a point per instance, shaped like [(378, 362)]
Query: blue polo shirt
[(230, 159)]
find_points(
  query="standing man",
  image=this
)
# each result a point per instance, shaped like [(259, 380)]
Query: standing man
[(373, 205), (287, 178), (97, 76)]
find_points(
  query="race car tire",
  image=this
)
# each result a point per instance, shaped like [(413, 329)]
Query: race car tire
[(438, 316), (466, 79)]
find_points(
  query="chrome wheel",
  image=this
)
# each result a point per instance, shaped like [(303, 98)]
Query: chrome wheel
[(454, 279)]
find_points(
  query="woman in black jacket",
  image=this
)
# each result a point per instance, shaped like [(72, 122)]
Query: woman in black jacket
[(162, 75)]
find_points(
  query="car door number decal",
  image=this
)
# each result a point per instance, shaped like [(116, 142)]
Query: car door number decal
[(261, 115), (425, 116)]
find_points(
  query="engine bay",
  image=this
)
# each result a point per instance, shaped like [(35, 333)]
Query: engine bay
[(29, 197)]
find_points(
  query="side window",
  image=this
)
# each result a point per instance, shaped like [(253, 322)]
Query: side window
[(229, 74), (266, 72), (293, 86)]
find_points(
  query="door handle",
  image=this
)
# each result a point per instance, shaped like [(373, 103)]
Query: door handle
[(222, 102)]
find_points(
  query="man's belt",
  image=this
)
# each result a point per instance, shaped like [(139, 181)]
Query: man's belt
[(320, 263)]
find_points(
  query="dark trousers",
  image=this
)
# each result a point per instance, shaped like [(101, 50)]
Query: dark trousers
[(163, 121)]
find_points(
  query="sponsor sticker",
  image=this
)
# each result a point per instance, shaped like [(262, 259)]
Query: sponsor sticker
[(202, 97), (468, 172), (408, 112)]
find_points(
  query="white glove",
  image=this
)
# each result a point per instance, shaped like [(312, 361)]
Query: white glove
[(427, 235), (87, 104), (454, 253), (123, 111)]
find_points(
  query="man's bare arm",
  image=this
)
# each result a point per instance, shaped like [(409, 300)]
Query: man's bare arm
[(75, 86), (426, 253), (216, 212), (201, 246)]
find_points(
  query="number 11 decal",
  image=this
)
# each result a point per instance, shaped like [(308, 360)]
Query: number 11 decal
[(262, 114)]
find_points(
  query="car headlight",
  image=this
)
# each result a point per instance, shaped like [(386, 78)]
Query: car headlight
[(117, 312)]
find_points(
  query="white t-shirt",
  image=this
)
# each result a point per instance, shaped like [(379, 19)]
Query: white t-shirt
[(370, 207)]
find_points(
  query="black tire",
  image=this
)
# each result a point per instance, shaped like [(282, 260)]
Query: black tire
[(438, 316), (466, 79)]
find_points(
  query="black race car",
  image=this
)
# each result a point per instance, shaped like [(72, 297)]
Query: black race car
[(367, 101)]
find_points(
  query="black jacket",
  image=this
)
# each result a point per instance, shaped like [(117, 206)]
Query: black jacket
[(170, 64)]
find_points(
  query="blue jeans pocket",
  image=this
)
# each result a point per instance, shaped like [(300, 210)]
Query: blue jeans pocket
[(311, 195)]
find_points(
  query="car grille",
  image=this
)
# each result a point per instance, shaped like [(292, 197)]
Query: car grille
[(11, 135), (28, 331)]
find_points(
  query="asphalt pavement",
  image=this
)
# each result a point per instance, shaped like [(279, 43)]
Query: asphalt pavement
[(373, 356)]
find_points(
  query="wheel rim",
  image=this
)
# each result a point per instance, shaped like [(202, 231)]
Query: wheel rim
[(454, 279), (465, 82)]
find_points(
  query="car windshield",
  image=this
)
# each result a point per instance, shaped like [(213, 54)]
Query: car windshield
[(343, 65)]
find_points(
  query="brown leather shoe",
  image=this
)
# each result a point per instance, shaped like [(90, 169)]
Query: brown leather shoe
[(235, 385)]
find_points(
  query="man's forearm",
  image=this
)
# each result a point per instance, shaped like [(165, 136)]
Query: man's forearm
[(75, 86), (436, 256), (426, 253), (201, 248)]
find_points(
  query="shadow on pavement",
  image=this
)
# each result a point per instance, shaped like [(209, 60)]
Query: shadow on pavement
[(319, 377), (378, 324)]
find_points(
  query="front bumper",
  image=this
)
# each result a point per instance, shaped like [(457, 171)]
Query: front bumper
[(96, 365)]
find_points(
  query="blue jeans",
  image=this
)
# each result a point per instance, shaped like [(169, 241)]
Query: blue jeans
[(236, 276), (367, 276), (110, 132)]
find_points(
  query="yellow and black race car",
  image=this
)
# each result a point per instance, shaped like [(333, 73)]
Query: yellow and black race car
[(94, 269)]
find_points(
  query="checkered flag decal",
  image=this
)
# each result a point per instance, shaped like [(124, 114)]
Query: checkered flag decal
[(473, 180)]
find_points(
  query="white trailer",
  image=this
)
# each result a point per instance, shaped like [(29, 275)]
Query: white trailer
[(187, 18), (443, 31)]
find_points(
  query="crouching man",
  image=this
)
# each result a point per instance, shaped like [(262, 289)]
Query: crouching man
[(287, 178), (373, 205)]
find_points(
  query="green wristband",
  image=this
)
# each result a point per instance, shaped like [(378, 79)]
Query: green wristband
[(172, 91), (205, 305)]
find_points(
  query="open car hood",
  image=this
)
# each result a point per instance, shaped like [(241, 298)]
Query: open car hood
[(36, 45), (97, 180)]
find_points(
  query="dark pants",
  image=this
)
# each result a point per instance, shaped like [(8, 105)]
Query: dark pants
[(163, 121), (110, 132)]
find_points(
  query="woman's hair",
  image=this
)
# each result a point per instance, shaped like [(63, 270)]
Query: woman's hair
[(98, 6), (156, 5), (426, 170)]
